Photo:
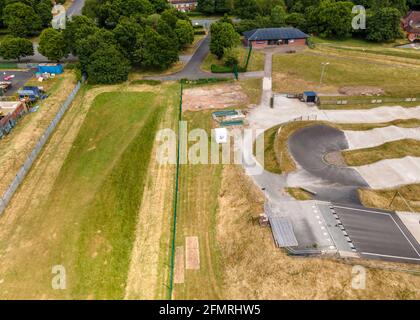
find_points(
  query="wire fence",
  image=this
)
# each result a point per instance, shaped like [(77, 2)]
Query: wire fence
[(24, 169), (175, 204)]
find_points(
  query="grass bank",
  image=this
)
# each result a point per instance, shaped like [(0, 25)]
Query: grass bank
[(390, 150), (302, 71), (87, 216)]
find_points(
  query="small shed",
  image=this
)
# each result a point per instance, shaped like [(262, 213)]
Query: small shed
[(55, 68), (221, 135), (310, 96), (10, 112)]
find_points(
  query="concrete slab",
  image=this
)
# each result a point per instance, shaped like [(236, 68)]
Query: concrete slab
[(412, 222), (391, 173), (374, 115), (308, 223), (378, 136)]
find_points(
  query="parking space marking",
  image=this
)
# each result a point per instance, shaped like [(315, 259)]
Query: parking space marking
[(399, 228)]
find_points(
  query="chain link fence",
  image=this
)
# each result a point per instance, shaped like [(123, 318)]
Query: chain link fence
[(24, 169)]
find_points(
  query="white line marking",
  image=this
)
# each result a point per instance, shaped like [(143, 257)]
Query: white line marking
[(355, 209), (388, 256), (389, 215)]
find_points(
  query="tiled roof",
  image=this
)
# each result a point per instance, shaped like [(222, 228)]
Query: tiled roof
[(412, 21), (275, 34)]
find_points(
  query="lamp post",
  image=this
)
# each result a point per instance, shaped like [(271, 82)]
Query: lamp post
[(324, 65)]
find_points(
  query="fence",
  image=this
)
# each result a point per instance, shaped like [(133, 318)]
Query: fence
[(352, 100), (24, 169)]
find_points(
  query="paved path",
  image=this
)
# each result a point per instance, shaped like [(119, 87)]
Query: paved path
[(375, 137)]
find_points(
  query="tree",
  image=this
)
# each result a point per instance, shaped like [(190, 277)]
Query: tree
[(77, 29), (155, 50), (384, 25), (296, 20), (21, 19), (206, 6), (126, 34), (43, 10), (14, 48), (278, 16), (185, 32), (86, 47), (52, 44), (108, 66), (246, 9), (331, 19), (223, 36), (231, 57)]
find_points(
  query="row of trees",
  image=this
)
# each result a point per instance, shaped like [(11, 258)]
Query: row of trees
[(141, 38), (327, 18), (24, 18), (113, 37)]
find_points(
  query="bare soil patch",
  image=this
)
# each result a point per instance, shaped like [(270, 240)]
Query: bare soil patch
[(335, 158), (214, 97), (192, 253)]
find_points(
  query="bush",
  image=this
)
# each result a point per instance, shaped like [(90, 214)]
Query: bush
[(231, 57), (200, 32), (220, 69), (144, 81)]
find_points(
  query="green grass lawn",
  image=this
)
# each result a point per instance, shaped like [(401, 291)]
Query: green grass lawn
[(92, 207), (355, 42), (256, 62), (302, 71)]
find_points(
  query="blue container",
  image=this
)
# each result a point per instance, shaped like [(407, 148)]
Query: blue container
[(50, 68)]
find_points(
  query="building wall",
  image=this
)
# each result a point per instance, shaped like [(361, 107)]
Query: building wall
[(292, 42), (413, 36), (186, 6)]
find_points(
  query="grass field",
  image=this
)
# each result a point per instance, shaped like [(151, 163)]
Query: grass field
[(302, 71), (86, 221), (256, 62), (390, 150)]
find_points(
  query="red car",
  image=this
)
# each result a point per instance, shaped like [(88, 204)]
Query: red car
[(8, 78)]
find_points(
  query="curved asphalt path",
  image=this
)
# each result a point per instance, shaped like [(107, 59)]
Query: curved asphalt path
[(192, 70), (309, 146)]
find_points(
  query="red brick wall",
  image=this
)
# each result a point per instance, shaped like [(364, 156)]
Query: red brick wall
[(264, 44)]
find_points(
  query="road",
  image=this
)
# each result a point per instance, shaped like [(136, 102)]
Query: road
[(309, 146), (192, 70), (76, 8), (73, 10)]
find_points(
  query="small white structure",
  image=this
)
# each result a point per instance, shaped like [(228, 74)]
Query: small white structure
[(221, 135)]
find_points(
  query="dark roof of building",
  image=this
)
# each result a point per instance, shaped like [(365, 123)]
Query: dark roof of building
[(275, 34)]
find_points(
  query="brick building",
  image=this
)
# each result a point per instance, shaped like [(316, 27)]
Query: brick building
[(272, 37), (411, 24), (184, 5), (10, 112)]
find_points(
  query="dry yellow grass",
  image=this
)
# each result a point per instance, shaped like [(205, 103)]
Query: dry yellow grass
[(299, 194), (408, 198), (15, 148), (390, 150), (149, 266), (253, 268)]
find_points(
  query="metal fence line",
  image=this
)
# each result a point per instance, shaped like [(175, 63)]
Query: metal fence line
[(24, 169)]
